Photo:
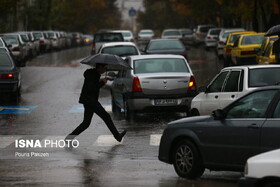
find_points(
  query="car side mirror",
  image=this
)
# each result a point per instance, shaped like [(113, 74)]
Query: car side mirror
[(218, 114)]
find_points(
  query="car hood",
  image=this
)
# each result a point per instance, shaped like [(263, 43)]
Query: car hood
[(191, 121)]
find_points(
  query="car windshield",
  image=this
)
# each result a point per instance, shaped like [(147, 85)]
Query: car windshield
[(159, 65), (165, 44), (264, 77), (215, 32), (186, 32), (24, 37), (10, 40), (252, 39), (205, 29), (108, 37), (234, 37), (171, 33), (146, 32), (120, 50), (5, 60), (126, 34), (38, 35)]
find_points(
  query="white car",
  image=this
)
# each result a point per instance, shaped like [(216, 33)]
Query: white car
[(262, 170), (222, 39), (122, 49), (127, 35), (212, 37), (232, 83), (171, 34)]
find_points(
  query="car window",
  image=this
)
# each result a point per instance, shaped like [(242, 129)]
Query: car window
[(10, 40), (232, 84), (168, 65), (252, 39), (108, 37), (264, 77), (5, 60), (171, 33), (252, 106), (120, 50), (276, 113), (217, 84), (165, 44), (267, 50)]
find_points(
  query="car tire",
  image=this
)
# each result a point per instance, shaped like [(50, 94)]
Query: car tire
[(194, 112), (187, 161)]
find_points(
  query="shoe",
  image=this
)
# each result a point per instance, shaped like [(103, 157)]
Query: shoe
[(121, 135)]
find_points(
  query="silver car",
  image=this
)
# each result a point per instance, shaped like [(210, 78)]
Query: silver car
[(156, 82)]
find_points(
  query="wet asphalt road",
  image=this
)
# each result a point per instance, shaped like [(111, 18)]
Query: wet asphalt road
[(51, 87)]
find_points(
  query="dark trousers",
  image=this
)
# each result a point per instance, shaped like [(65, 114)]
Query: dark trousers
[(97, 108)]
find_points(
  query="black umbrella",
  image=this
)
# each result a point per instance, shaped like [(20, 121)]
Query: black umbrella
[(114, 62), (275, 30)]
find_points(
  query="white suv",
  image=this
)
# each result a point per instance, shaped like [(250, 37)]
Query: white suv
[(232, 83), (262, 170)]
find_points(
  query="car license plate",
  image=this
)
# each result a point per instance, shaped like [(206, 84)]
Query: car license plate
[(165, 101)]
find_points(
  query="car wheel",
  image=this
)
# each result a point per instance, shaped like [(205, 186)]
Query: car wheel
[(194, 112), (187, 161)]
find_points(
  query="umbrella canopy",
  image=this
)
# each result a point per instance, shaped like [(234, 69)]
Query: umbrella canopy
[(114, 62), (275, 30)]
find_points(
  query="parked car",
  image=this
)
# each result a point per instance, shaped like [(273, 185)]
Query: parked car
[(262, 53), (245, 48), (156, 82), (171, 34), (127, 35), (262, 170), (268, 57), (100, 38), (222, 39), (225, 139), (232, 83), (200, 33), (232, 37), (44, 41), (187, 36), (212, 37), (10, 79), (16, 47), (166, 46), (55, 38), (122, 49)]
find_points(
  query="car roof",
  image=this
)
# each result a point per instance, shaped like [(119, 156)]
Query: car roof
[(137, 57), (118, 43), (251, 67)]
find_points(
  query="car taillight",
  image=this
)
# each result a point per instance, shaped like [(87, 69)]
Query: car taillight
[(16, 49), (181, 39), (221, 42), (93, 45), (54, 39), (247, 52), (42, 42), (192, 84), (136, 86), (7, 76), (208, 37)]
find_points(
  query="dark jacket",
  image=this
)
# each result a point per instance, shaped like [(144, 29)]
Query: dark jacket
[(92, 84)]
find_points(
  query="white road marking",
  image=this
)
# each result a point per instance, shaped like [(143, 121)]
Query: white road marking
[(6, 141), (155, 139), (107, 140)]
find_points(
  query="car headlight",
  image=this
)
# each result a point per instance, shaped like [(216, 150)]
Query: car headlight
[(246, 169)]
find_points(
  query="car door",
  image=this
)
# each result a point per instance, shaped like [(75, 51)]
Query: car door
[(270, 138), (243, 123), (209, 99), (232, 88), (118, 88)]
